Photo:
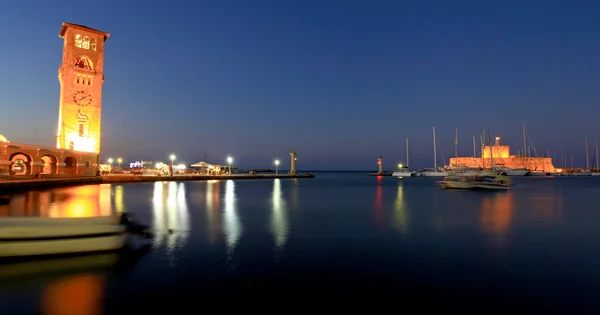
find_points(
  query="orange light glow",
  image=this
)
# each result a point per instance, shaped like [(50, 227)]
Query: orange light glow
[(497, 213), (80, 294), (82, 143)]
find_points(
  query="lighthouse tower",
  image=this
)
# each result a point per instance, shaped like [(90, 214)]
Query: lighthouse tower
[(294, 157), (380, 162)]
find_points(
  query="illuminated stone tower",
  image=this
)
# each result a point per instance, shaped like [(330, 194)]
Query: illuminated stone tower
[(380, 162), (81, 77), (294, 157)]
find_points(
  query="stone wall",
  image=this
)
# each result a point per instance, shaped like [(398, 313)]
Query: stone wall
[(18, 160), (532, 163)]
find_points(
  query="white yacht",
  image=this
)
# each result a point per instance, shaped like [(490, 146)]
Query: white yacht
[(403, 170), (435, 171), (580, 173), (537, 173), (512, 171), (464, 171)]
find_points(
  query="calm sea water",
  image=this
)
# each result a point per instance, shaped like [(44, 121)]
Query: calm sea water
[(340, 240)]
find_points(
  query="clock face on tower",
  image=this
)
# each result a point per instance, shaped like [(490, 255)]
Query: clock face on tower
[(82, 98)]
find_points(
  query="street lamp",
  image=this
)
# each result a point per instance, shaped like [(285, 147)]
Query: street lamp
[(229, 161), (172, 157), (110, 161), (276, 167), (119, 160)]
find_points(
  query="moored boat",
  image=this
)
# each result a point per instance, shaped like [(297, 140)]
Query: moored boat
[(402, 172), (489, 182), (431, 172), (41, 236)]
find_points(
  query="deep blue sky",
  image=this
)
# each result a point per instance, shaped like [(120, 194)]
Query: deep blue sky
[(341, 81)]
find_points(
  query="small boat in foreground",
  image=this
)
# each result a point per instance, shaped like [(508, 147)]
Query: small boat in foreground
[(489, 182), (40, 236)]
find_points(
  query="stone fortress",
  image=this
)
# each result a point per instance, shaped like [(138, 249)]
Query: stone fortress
[(500, 155)]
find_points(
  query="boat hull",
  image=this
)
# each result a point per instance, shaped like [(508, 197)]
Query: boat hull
[(455, 185), (29, 237), (434, 174), (533, 173), (402, 174)]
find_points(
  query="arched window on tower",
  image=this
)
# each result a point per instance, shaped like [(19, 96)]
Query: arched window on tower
[(93, 44), (84, 63), (86, 42), (78, 41)]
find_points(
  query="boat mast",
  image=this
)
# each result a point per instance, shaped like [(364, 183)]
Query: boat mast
[(587, 159), (456, 148), (596, 155), (524, 142), (481, 140), (434, 151), (491, 152), (406, 152)]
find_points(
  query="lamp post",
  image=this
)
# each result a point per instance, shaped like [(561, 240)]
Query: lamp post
[(276, 167), (229, 161), (119, 160), (172, 157), (110, 161)]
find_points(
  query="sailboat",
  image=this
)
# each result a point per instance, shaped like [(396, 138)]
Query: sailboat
[(403, 170), (596, 171), (456, 170), (433, 172)]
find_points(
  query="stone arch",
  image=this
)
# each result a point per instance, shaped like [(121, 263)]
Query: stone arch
[(20, 164), (49, 164), (70, 165)]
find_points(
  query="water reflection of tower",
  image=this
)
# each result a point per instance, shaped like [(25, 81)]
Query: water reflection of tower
[(82, 201), (77, 294), (294, 194), (213, 211), (279, 224), (378, 208), (401, 214), (496, 216), (73, 202), (232, 226)]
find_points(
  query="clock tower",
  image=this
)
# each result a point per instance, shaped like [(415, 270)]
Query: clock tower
[(81, 75)]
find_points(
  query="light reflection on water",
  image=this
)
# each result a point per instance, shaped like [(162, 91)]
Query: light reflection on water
[(213, 211), (227, 222), (231, 225), (279, 220), (77, 294), (401, 212), (73, 202), (171, 217)]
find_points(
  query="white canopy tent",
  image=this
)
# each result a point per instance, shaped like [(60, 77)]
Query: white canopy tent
[(202, 164)]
